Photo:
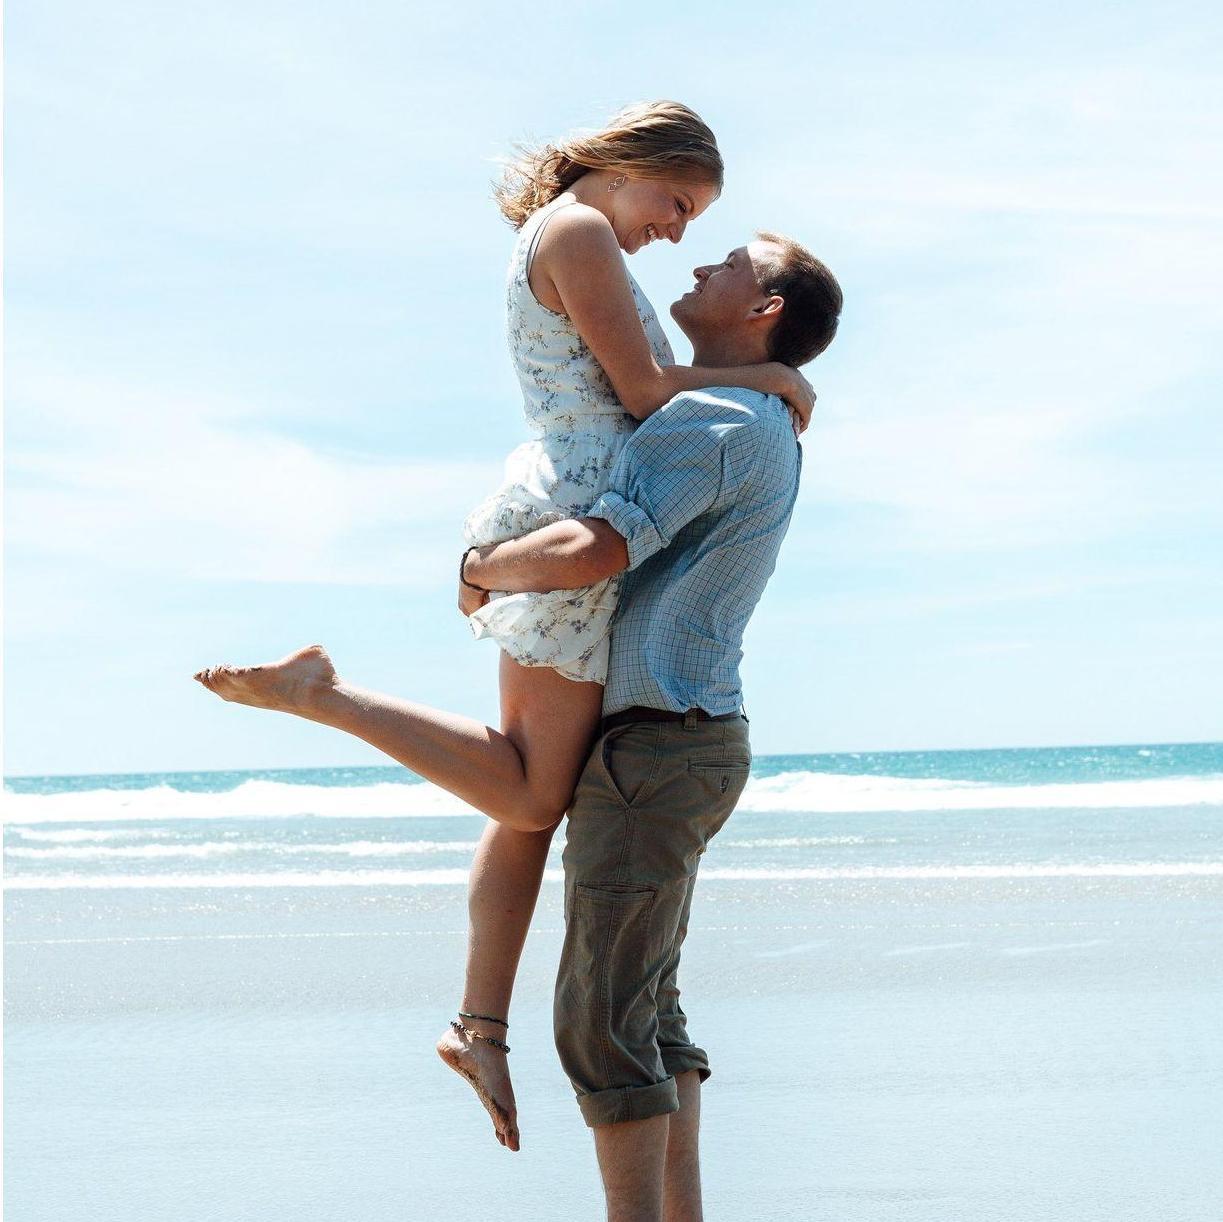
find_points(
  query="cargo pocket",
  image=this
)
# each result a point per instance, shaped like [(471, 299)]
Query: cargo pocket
[(606, 1019)]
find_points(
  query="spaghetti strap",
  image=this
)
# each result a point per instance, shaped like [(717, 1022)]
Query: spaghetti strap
[(550, 210)]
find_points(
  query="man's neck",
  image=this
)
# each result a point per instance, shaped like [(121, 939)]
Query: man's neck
[(725, 352)]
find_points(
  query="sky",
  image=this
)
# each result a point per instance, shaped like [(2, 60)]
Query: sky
[(256, 370)]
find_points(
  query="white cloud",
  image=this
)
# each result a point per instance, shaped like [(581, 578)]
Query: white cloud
[(186, 486), (954, 480)]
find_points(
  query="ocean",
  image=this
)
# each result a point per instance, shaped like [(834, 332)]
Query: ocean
[(907, 813), (936, 985)]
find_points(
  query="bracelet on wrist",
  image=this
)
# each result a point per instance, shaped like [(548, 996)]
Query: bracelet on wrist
[(462, 565)]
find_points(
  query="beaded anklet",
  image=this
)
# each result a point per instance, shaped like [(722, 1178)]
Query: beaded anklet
[(475, 1035)]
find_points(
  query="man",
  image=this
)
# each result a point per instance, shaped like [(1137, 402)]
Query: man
[(699, 502)]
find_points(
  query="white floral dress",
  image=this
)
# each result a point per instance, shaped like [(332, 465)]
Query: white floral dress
[(579, 428)]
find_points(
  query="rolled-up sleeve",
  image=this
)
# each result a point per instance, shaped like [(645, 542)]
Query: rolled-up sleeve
[(669, 472)]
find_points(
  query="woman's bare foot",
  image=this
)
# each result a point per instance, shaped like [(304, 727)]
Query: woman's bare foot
[(288, 686), (485, 1068)]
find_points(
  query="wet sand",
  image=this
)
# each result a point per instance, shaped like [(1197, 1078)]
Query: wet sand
[(1018, 1049)]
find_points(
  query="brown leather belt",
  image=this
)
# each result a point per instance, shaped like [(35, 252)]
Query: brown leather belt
[(640, 712)]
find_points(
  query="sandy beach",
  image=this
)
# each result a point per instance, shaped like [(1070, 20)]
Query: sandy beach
[(1015, 1048)]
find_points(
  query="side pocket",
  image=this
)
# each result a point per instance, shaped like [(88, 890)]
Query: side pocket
[(629, 756)]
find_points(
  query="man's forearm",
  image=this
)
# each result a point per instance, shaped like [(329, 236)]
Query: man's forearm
[(564, 556)]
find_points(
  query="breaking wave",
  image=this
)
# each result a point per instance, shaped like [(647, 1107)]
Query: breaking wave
[(806, 792)]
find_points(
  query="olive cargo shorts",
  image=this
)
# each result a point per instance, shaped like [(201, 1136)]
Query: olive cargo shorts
[(651, 797)]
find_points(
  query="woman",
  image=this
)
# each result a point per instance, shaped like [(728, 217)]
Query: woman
[(592, 361)]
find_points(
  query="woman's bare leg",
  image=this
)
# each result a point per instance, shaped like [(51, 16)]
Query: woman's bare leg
[(505, 880), (548, 722), (522, 778)]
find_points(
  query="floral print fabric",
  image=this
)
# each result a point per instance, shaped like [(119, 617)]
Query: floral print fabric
[(579, 428)]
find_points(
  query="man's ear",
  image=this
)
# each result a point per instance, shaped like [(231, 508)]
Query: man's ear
[(769, 307)]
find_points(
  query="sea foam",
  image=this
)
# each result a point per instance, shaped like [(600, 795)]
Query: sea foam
[(459, 877), (230, 848), (807, 792)]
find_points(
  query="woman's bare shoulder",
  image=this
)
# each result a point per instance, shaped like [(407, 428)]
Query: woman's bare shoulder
[(578, 229)]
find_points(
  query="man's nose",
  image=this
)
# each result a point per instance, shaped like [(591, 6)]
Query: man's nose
[(701, 273)]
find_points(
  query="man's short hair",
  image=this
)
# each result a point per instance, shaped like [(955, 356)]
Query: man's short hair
[(813, 299)]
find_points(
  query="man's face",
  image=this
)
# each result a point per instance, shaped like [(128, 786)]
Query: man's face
[(726, 294)]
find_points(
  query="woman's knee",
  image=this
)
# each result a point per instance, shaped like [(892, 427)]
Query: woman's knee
[(535, 816)]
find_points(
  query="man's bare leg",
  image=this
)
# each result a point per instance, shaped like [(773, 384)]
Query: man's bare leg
[(682, 1173), (632, 1157), (522, 784), (651, 1168)]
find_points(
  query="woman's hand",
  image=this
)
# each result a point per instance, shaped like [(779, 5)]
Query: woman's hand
[(797, 393), (471, 600)]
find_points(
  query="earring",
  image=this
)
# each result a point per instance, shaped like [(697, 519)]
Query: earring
[(616, 182)]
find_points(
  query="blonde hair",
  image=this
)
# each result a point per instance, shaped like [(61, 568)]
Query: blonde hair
[(658, 140)]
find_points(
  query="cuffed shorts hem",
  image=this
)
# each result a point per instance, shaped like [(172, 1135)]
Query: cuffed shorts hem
[(677, 1060), (623, 1103)]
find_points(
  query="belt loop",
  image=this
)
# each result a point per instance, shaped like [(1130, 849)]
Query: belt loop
[(690, 719), (743, 713)]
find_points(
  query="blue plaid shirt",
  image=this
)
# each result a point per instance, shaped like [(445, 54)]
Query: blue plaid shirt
[(702, 494)]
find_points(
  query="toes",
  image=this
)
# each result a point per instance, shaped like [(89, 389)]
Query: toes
[(209, 678)]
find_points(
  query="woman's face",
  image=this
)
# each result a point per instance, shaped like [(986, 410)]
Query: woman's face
[(647, 209)]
